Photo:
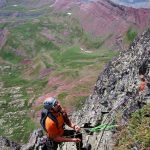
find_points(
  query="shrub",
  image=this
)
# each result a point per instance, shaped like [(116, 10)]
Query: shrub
[(131, 34), (138, 129)]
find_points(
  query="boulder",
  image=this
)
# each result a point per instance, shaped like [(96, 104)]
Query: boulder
[(6, 144)]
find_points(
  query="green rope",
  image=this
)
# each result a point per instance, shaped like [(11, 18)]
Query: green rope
[(102, 127)]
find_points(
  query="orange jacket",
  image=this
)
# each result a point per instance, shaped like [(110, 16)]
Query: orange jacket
[(51, 127), (142, 86)]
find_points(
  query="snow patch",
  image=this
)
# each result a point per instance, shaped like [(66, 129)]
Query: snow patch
[(69, 13), (85, 50)]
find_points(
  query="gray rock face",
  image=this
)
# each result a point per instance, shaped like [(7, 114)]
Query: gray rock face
[(6, 144), (115, 92), (34, 141), (3, 3)]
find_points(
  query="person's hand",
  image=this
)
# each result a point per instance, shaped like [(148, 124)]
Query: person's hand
[(77, 128), (76, 140)]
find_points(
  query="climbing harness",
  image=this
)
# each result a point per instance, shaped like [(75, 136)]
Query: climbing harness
[(46, 142)]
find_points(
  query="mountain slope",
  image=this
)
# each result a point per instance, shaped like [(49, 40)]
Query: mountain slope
[(107, 19), (43, 53), (101, 18)]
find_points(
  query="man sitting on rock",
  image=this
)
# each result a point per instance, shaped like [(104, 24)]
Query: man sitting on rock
[(54, 125)]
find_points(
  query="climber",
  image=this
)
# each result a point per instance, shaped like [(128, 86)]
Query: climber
[(142, 84), (54, 125)]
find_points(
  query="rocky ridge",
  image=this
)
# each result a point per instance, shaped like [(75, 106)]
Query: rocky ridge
[(115, 92)]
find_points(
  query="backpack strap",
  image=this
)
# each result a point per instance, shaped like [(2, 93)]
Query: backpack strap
[(44, 114)]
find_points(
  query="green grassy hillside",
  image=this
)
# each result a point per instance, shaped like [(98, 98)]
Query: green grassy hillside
[(49, 53), (136, 132)]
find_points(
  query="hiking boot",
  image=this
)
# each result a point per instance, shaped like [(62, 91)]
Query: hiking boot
[(87, 147)]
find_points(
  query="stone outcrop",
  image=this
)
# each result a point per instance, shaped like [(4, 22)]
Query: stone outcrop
[(6, 144), (35, 141)]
